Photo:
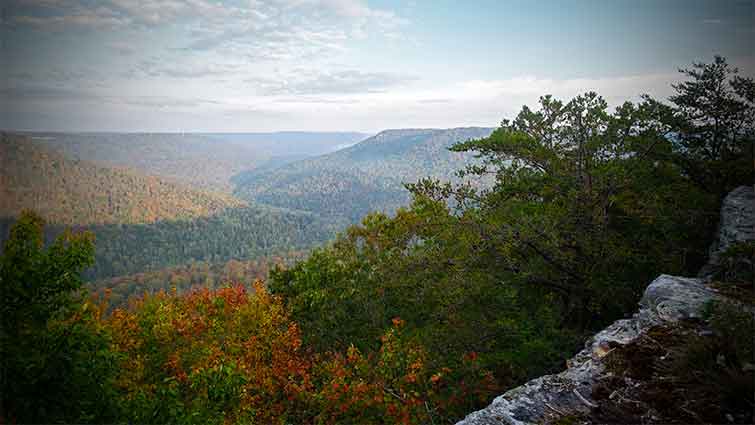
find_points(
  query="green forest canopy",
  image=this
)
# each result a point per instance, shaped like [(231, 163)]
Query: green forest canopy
[(416, 318)]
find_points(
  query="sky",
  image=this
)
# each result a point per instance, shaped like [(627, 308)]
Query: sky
[(342, 65)]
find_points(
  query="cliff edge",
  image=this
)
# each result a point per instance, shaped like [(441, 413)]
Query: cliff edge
[(667, 300)]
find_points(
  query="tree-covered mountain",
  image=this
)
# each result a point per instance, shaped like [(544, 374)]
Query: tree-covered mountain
[(237, 233), (75, 192), (345, 185), (196, 160), (423, 316), (203, 161), (142, 223), (292, 143)]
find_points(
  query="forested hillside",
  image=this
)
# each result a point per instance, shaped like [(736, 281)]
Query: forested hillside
[(74, 192), (589, 204), (236, 233), (199, 161), (142, 223), (418, 317), (291, 143), (202, 161), (183, 278), (345, 185)]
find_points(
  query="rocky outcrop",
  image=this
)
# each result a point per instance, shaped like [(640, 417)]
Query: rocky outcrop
[(666, 300), (737, 225)]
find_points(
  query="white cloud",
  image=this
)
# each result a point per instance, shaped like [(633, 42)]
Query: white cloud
[(57, 94), (529, 86), (309, 82), (473, 102), (75, 16), (122, 48), (342, 100), (214, 22), (270, 65), (155, 68)]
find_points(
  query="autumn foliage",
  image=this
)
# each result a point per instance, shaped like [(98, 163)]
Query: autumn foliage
[(397, 384), (226, 355), (415, 318), (233, 355), (210, 356)]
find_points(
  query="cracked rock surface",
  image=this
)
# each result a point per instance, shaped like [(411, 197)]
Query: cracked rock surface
[(666, 300)]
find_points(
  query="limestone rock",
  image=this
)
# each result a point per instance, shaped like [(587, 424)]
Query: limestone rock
[(737, 224), (666, 300)]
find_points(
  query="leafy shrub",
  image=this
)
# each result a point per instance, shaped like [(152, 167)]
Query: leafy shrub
[(210, 357)]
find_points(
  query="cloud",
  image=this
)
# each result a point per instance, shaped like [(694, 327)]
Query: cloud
[(219, 46), (160, 102), (205, 33), (529, 86), (213, 23), (297, 43), (58, 14), (155, 67), (81, 19), (351, 9), (338, 82), (37, 92), (54, 79), (465, 103), (53, 94), (292, 30), (316, 99), (247, 111), (122, 48), (434, 100), (321, 100)]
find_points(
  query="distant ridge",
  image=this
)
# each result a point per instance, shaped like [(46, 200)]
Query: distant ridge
[(190, 159), (292, 143), (75, 192), (368, 176), (205, 161)]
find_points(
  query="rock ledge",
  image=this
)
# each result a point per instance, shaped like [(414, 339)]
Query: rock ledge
[(666, 300)]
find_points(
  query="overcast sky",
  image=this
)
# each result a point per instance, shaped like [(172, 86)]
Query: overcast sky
[(350, 65)]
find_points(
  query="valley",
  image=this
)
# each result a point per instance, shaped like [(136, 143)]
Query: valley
[(78, 192), (157, 201), (376, 212), (202, 161), (345, 185), (408, 277)]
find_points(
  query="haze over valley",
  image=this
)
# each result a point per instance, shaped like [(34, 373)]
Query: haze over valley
[(150, 198)]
